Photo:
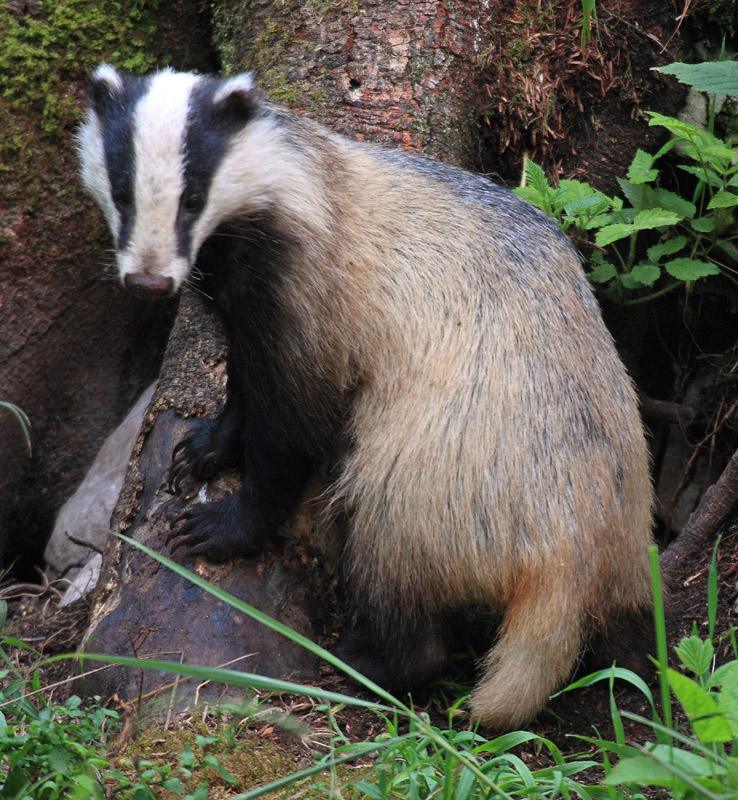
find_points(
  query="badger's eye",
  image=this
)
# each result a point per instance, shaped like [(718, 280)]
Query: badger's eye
[(123, 198), (192, 202)]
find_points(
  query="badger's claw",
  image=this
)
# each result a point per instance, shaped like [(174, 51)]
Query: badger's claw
[(216, 530), (187, 463)]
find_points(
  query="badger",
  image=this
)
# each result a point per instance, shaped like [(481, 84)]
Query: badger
[(423, 336)]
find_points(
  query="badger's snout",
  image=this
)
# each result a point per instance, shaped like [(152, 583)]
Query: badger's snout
[(151, 285)]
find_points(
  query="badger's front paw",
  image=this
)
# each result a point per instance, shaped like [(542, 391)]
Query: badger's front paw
[(200, 455), (216, 530)]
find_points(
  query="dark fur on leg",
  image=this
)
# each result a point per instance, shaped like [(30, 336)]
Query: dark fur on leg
[(399, 654), (273, 482), (627, 642)]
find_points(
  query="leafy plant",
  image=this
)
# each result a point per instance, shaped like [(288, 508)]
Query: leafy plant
[(186, 779), (652, 240), (713, 77), (690, 766), (47, 751)]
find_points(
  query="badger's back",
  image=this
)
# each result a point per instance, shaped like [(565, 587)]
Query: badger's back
[(493, 403)]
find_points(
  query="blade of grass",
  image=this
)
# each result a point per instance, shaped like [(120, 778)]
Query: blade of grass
[(712, 591), (662, 657), (229, 676)]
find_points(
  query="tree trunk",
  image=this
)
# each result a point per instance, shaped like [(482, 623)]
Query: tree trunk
[(400, 74)]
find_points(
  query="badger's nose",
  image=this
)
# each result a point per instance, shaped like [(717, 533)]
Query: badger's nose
[(151, 285)]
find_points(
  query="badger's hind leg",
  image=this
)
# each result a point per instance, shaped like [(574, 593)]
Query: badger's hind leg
[(399, 653), (538, 645)]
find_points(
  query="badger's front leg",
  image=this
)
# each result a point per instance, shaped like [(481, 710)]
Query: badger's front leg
[(274, 477)]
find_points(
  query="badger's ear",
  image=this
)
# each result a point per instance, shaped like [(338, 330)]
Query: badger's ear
[(105, 85), (237, 98)]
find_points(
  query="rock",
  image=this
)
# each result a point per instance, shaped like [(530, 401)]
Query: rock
[(83, 582), (85, 517)]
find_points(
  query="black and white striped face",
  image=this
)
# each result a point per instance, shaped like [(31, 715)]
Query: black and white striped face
[(168, 158)]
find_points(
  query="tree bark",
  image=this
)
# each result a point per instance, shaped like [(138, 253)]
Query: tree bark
[(399, 73), (717, 505)]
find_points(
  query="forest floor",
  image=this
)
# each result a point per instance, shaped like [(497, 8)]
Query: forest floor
[(579, 713)]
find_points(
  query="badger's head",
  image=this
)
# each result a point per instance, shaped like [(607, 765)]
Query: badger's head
[(169, 158)]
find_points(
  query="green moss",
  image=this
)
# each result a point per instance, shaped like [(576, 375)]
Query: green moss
[(318, 98), (279, 87), (40, 54), (44, 59), (215, 755), (321, 8)]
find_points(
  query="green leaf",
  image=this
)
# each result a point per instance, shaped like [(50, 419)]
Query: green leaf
[(714, 152), (640, 170), (703, 224), (574, 197), (85, 788), (644, 220), (723, 200), (534, 197), (613, 233), (708, 722), (694, 653), (640, 196), (721, 674), (698, 144), (579, 204), (715, 77), (646, 274), (666, 248), (728, 699), (629, 282), (59, 759), (641, 770), (174, 785), (689, 269), (602, 273), (683, 130), (673, 202), (705, 174), (536, 177), (655, 218), (691, 763), (610, 219)]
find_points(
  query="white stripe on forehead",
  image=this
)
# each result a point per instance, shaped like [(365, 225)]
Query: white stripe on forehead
[(159, 123)]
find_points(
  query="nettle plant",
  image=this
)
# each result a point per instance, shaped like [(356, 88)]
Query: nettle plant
[(653, 240)]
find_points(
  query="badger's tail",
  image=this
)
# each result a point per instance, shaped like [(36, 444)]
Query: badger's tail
[(554, 614), (539, 642)]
